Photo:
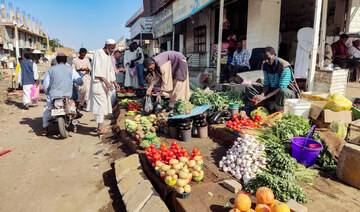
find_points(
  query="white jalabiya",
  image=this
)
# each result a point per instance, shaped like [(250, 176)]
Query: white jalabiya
[(99, 97), (130, 81)]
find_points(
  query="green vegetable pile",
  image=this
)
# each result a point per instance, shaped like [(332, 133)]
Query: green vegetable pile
[(145, 123), (144, 143), (216, 100), (181, 106), (282, 170), (130, 125), (283, 189)]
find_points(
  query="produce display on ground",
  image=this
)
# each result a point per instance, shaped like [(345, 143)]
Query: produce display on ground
[(216, 100), (176, 167), (182, 107), (244, 159), (265, 202)]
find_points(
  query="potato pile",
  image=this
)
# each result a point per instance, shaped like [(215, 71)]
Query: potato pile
[(195, 166), (159, 121)]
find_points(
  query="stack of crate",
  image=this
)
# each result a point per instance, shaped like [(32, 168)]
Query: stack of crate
[(331, 82)]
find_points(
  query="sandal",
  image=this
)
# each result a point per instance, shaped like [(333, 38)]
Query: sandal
[(104, 131), (44, 132)]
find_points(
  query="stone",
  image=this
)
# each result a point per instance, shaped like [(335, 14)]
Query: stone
[(232, 185), (124, 165), (155, 204), (296, 207), (130, 180), (348, 169), (136, 198)]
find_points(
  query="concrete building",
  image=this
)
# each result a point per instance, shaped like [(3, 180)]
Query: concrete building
[(194, 30), (30, 34)]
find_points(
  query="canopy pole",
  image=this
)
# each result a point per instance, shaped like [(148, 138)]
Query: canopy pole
[(173, 38), (221, 17), (323, 32), (311, 74)]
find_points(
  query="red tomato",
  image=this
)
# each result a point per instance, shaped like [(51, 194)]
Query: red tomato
[(174, 143), (168, 158), (148, 157), (195, 150), (152, 146), (163, 145)]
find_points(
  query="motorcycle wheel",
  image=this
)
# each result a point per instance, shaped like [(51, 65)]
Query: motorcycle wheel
[(62, 127)]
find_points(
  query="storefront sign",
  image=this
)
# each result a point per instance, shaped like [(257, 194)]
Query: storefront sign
[(185, 8), (162, 23), (143, 25)]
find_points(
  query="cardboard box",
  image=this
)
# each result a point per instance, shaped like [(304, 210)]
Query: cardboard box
[(316, 109), (344, 116), (327, 116)]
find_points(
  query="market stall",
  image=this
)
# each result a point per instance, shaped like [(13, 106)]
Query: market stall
[(249, 146)]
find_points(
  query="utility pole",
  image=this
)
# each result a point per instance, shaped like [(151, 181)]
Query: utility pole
[(218, 65), (17, 52)]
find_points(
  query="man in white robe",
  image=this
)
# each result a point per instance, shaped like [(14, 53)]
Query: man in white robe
[(130, 57), (103, 81)]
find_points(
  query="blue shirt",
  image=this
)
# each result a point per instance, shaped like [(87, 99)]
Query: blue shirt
[(75, 78)]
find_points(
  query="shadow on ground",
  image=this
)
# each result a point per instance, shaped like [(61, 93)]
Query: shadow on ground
[(109, 178)]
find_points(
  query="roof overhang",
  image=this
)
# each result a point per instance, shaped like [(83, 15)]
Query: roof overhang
[(138, 14)]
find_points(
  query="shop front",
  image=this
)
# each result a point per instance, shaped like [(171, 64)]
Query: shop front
[(163, 29), (142, 31)]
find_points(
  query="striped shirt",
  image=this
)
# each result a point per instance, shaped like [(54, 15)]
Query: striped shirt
[(272, 78), (241, 59)]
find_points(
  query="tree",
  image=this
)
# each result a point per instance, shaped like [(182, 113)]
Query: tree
[(53, 43)]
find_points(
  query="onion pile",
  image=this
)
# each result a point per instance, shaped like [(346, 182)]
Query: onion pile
[(245, 159)]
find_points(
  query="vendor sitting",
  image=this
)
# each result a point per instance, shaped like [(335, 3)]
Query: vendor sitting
[(240, 60), (277, 76), (339, 48)]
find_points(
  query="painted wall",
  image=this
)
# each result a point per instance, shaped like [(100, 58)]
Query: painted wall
[(263, 23)]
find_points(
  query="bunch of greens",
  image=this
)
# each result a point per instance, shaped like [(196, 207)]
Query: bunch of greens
[(216, 100), (283, 189), (181, 106), (280, 163)]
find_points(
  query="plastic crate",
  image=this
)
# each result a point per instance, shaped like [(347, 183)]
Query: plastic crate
[(297, 107)]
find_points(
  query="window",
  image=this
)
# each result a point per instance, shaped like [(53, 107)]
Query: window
[(200, 39)]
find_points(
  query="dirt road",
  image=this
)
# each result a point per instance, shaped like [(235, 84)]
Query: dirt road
[(48, 173)]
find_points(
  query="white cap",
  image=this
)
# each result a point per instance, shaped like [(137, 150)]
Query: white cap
[(110, 41)]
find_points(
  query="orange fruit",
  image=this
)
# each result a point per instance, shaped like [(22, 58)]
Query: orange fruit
[(262, 208), (281, 207), (271, 205), (242, 202), (264, 195), (234, 210), (250, 210)]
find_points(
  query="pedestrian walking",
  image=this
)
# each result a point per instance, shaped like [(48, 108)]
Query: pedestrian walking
[(82, 65), (28, 76), (103, 81)]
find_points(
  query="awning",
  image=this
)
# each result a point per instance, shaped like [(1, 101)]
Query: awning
[(37, 52), (8, 46)]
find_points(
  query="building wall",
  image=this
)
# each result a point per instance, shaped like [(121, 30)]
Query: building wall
[(263, 24), (202, 18)]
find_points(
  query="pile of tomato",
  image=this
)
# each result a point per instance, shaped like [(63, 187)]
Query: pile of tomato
[(165, 154), (237, 123), (133, 106), (124, 91)]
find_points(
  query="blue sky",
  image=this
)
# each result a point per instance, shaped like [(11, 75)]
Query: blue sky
[(76, 22)]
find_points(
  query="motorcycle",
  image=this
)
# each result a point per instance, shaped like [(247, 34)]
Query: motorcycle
[(64, 112)]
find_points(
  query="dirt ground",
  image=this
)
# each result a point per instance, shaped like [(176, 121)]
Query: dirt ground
[(48, 173), (353, 90)]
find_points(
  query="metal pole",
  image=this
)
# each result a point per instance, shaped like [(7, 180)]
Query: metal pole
[(221, 17), (323, 32), (310, 80)]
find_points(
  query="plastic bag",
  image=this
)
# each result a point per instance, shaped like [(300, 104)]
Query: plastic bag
[(339, 128), (261, 110), (338, 102), (148, 108), (35, 92)]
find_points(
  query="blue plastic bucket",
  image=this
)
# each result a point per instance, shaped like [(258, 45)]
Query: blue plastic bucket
[(301, 151)]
